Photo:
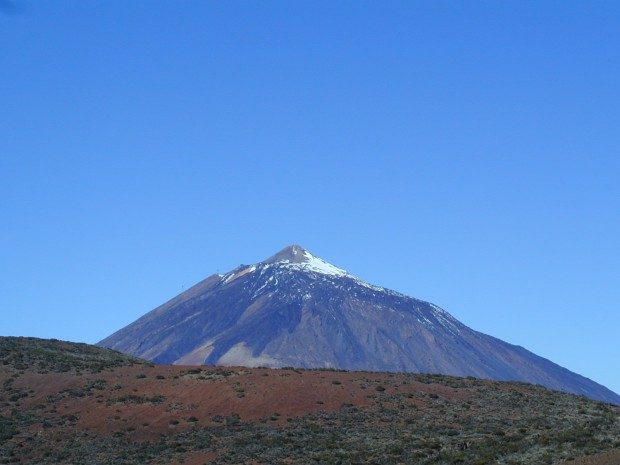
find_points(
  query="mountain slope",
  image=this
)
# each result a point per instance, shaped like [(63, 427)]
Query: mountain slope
[(295, 309)]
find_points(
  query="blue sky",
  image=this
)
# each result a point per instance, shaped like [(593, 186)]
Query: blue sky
[(465, 153)]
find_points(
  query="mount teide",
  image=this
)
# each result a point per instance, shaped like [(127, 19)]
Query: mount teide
[(295, 309)]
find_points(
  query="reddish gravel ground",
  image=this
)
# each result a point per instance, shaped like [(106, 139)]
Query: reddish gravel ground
[(205, 393), (144, 403)]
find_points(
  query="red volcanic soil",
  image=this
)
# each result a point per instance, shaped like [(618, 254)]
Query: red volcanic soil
[(150, 401), (142, 413)]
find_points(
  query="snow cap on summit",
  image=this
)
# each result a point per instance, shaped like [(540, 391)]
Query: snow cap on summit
[(296, 257)]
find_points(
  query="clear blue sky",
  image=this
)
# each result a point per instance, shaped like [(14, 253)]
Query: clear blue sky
[(466, 153)]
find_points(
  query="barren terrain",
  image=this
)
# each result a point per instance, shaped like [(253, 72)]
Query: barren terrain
[(70, 403)]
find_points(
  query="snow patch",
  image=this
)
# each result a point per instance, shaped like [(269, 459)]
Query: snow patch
[(234, 275), (425, 321), (445, 319), (265, 284), (321, 266)]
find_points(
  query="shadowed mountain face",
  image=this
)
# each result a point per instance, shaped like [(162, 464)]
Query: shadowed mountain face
[(295, 309)]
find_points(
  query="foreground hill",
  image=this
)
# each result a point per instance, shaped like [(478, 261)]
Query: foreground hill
[(295, 309), (76, 404)]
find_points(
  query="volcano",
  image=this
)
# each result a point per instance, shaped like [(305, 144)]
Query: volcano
[(297, 310)]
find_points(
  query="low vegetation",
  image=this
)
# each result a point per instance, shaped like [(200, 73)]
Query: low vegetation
[(53, 356), (171, 415)]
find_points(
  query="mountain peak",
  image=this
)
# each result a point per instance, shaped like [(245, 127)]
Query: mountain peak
[(296, 257), (290, 254)]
